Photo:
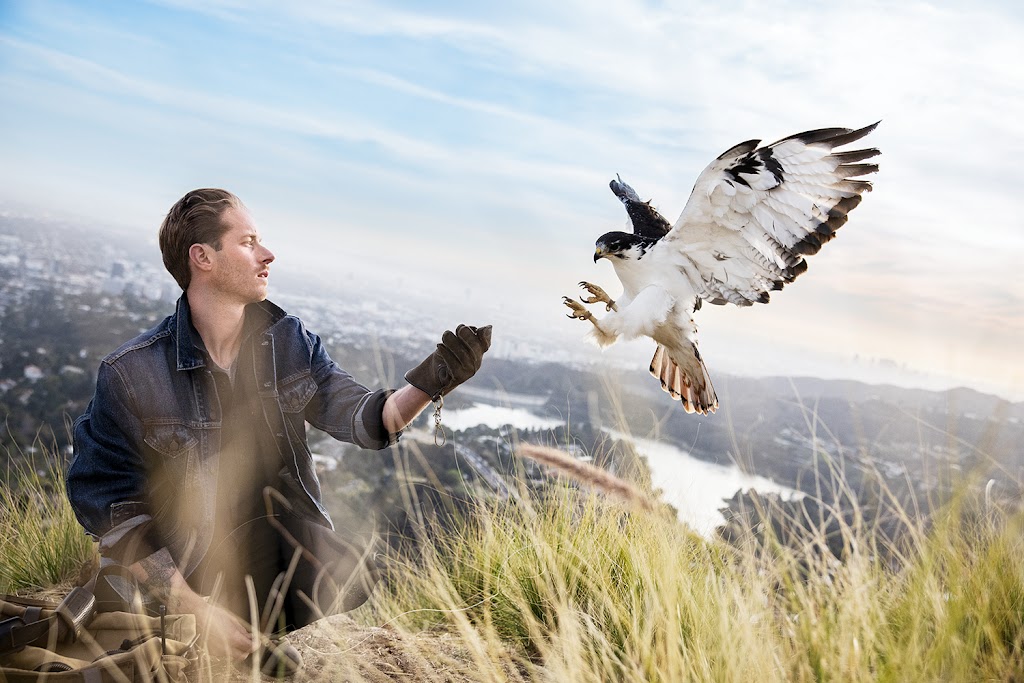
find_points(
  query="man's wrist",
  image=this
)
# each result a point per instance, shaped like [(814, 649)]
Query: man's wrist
[(159, 577), (402, 407)]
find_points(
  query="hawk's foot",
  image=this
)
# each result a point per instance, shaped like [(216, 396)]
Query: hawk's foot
[(577, 309), (598, 296)]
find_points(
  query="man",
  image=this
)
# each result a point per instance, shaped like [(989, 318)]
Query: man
[(192, 420)]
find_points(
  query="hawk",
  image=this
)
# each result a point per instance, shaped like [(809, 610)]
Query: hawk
[(753, 215)]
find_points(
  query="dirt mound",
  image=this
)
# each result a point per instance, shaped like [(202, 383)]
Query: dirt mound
[(337, 649)]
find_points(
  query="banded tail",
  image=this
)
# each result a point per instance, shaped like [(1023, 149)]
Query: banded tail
[(685, 378)]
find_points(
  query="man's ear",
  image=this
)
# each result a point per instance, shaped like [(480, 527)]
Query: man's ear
[(200, 257)]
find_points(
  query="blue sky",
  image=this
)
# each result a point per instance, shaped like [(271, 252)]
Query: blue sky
[(464, 151)]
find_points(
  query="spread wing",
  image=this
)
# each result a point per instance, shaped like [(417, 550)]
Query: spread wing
[(646, 220), (754, 213)]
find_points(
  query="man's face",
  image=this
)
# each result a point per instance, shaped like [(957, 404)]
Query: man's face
[(242, 266)]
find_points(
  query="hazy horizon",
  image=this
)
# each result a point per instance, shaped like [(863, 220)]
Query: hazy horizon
[(288, 279)]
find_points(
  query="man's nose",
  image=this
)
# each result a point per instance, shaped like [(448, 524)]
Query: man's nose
[(267, 256)]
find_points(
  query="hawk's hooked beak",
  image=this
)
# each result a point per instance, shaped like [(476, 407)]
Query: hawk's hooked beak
[(599, 253)]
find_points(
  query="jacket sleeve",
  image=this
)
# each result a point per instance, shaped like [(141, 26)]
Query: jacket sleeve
[(343, 407), (106, 477)]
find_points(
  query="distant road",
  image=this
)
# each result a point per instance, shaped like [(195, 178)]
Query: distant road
[(489, 474), (475, 460)]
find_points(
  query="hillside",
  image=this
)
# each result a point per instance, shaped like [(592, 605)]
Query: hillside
[(60, 314)]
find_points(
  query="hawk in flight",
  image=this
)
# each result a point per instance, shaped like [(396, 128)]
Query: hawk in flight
[(753, 215)]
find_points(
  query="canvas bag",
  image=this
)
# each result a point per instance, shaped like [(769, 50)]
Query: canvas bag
[(108, 647)]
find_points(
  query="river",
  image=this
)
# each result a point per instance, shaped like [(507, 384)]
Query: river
[(696, 488)]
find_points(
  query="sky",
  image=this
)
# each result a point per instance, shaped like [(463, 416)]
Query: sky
[(462, 153)]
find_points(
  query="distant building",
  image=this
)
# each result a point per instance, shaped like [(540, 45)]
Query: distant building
[(34, 265), (114, 287), (151, 290)]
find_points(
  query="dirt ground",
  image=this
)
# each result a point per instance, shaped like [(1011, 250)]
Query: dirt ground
[(338, 650)]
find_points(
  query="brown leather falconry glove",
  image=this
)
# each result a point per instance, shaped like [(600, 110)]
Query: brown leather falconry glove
[(456, 359)]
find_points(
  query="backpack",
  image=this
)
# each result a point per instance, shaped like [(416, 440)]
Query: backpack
[(70, 641)]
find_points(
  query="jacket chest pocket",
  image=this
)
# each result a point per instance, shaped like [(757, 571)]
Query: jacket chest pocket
[(177, 495), (171, 440), (294, 395)]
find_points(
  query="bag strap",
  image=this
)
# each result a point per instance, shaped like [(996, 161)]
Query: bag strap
[(68, 617), (111, 589), (75, 611)]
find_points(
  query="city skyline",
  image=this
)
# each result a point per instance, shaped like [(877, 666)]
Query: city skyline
[(462, 155)]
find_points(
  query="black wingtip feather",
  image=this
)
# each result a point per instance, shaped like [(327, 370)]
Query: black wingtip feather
[(834, 137), (853, 170), (808, 246), (836, 221), (793, 274), (856, 186), (742, 148), (845, 205), (823, 230), (809, 137), (851, 135), (856, 155)]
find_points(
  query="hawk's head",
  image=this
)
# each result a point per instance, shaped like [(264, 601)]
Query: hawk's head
[(622, 246)]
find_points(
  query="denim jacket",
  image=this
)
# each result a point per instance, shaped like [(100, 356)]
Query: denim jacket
[(152, 432)]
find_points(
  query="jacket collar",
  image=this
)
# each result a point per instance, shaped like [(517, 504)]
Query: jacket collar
[(259, 318)]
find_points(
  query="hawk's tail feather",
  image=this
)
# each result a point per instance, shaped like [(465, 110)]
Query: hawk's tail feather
[(692, 388)]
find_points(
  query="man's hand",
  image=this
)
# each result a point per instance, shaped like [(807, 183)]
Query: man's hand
[(456, 359), (227, 635)]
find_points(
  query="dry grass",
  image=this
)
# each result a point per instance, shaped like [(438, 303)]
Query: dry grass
[(574, 585)]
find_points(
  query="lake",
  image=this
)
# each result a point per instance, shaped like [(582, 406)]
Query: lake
[(495, 416), (697, 489)]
